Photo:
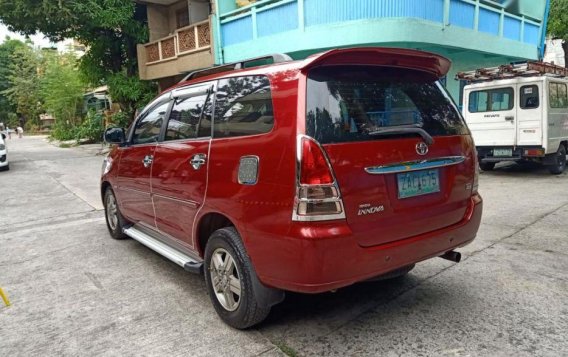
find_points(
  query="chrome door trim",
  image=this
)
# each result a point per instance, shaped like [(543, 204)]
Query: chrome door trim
[(186, 202), (416, 165), (126, 188)]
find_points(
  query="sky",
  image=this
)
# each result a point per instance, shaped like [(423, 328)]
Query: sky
[(38, 39)]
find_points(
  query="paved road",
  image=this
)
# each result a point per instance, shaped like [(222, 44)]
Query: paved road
[(75, 291)]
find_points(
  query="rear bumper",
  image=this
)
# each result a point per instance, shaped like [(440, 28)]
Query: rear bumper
[(485, 153), (306, 264)]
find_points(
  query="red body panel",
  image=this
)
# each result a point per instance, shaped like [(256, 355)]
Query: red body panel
[(133, 183), (401, 218), (178, 190), (306, 256)]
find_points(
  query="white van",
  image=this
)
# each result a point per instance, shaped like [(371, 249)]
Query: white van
[(519, 119)]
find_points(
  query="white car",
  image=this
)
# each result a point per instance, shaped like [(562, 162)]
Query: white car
[(4, 164)]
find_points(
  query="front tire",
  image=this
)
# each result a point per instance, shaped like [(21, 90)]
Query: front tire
[(114, 219), (5, 168), (559, 161), (230, 280)]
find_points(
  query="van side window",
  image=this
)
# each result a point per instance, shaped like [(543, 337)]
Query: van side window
[(147, 129), (184, 117), (243, 107), (491, 100), (558, 95), (529, 97)]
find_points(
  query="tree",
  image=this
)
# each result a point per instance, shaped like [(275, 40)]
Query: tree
[(62, 88), (7, 50), (558, 24), (110, 29), (23, 83)]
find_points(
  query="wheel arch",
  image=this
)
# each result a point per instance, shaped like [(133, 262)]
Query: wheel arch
[(104, 186), (209, 223)]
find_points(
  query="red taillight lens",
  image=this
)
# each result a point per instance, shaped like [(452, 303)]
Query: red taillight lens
[(314, 169)]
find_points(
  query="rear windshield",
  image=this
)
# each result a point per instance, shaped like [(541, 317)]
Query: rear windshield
[(353, 103)]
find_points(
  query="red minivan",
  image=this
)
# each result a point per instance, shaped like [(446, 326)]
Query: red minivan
[(304, 176)]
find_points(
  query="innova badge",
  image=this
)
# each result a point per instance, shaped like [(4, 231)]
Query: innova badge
[(422, 148)]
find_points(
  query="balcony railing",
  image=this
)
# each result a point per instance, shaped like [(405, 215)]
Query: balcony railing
[(186, 40), (268, 17)]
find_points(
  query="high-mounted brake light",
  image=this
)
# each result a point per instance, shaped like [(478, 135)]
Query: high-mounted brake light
[(317, 194)]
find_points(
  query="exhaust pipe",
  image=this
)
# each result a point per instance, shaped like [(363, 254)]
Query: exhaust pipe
[(452, 256)]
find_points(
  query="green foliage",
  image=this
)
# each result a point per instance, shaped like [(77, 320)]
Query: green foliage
[(558, 19), (109, 28), (62, 88), (7, 50), (63, 131), (24, 86), (91, 129), (131, 92), (120, 120), (558, 24)]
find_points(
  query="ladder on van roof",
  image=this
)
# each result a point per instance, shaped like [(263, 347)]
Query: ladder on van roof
[(525, 69), (248, 63)]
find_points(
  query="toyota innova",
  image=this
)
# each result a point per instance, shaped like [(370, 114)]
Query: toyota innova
[(304, 176)]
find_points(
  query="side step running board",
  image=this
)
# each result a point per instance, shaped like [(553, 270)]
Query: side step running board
[(188, 263)]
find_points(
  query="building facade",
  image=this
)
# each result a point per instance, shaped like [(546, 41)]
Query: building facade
[(472, 33)]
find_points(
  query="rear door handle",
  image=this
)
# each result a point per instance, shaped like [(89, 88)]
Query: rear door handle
[(147, 161), (197, 161), (510, 118)]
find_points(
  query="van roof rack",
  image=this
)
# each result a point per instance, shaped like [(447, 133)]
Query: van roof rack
[(524, 69), (276, 58)]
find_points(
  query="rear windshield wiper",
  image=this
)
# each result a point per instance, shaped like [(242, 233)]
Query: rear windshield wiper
[(404, 130)]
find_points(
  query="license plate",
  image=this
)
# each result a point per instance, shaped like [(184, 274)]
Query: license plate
[(418, 183), (502, 152)]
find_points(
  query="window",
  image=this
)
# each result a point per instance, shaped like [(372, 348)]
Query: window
[(558, 95), (529, 97), (185, 116), (491, 100), (243, 107), (349, 103), (182, 18), (147, 129)]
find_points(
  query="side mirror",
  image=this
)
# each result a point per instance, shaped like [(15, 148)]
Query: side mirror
[(115, 136), (3, 136)]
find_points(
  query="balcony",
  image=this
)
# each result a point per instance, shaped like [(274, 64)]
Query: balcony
[(188, 48), (513, 29)]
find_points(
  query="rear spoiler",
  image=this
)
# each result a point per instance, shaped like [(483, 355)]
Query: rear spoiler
[(390, 57)]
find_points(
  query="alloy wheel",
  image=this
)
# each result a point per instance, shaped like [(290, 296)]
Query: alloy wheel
[(225, 279), (112, 212)]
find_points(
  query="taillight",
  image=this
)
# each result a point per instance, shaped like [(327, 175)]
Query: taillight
[(475, 185), (317, 194), (314, 169)]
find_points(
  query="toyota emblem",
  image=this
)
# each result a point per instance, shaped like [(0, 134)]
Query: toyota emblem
[(422, 148)]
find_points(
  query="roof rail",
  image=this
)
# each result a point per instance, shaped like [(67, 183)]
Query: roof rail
[(525, 69), (276, 58)]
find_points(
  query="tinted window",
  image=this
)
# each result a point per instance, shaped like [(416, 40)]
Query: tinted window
[(243, 107), (491, 100), (184, 117), (348, 103), (558, 95), (148, 127), (529, 97)]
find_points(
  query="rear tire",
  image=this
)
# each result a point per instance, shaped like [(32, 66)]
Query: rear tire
[(229, 278), (487, 166), (559, 161), (114, 219)]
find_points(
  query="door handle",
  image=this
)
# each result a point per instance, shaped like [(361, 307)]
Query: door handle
[(147, 161), (197, 161), (510, 118)]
